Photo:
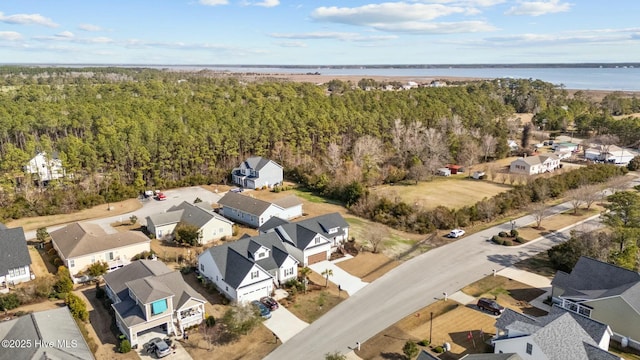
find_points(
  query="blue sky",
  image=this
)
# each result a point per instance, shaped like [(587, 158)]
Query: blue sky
[(318, 32)]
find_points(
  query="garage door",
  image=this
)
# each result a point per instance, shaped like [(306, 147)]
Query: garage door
[(317, 258)]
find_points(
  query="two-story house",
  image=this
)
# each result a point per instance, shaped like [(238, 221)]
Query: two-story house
[(211, 225), (249, 268), (310, 240), (15, 261), (603, 292), (81, 244), (45, 168), (254, 212), (146, 294), (257, 172)]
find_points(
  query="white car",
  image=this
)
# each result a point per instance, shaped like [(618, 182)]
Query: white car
[(456, 233)]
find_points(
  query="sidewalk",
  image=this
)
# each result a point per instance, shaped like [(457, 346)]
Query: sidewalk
[(347, 282)]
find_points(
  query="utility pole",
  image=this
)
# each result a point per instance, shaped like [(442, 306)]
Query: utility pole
[(430, 328)]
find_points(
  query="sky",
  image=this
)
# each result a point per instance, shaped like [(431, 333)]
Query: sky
[(318, 32)]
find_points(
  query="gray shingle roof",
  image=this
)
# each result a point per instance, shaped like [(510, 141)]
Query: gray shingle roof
[(233, 258), (13, 250), (139, 269), (80, 239), (288, 201), (195, 214), (50, 326), (247, 204), (323, 223), (560, 335), (594, 279), (258, 162), (507, 356), (300, 233), (296, 234)]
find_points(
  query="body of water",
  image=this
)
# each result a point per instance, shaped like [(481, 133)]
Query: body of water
[(605, 78)]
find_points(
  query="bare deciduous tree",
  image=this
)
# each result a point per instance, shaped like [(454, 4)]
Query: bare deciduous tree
[(487, 208), (488, 144), (590, 194), (575, 198), (368, 151), (468, 154), (333, 159), (376, 234), (539, 211), (618, 183)]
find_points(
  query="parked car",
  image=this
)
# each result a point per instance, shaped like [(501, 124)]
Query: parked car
[(159, 347), (161, 196), (236, 190), (264, 311), (455, 233), (269, 302), (490, 305)]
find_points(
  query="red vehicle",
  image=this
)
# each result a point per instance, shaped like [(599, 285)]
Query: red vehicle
[(161, 196), (269, 302)]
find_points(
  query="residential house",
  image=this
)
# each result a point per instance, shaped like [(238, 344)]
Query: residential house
[(254, 212), (310, 240), (611, 154), (45, 168), (532, 165), (146, 294), (455, 168), (249, 268), (15, 261), (81, 244), (257, 172), (561, 335), (603, 292), (565, 146), (48, 334), (211, 225), (513, 145)]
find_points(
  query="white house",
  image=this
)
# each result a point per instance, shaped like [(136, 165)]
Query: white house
[(611, 154), (249, 268), (255, 212), (81, 244), (147, 295), (15, 261), (560, 335), (211, 225), (532, 165), (257, 172), (45, 168)]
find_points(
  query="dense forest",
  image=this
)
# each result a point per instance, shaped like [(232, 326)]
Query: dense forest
[(119, 131)]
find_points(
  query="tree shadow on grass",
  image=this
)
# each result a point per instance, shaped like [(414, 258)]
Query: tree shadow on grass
[(392, 356)]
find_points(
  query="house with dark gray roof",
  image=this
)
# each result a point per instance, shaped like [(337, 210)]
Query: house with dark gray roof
[(249, 268), (211, 225), (310, 240), (81, 244), (146, 294), (253, 212), (15, 262), (257, 172), (603, 292), (561, 335), (49, 334)]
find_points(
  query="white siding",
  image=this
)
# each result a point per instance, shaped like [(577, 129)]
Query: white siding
[(291, 212), (20, 274), (256, 284), (123, 253), (519, 346), (285, 273), (215, 229)]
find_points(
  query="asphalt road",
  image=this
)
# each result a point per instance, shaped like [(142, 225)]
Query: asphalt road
[(410, 287)]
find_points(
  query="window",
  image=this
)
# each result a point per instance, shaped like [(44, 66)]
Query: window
[(12, 273), (529, 348), (288, 272), (254, 274), (221, 230), (72, 263), (317, 240), (158, 307), (23, 271), (261, 255), (201, 267), (109, 256)]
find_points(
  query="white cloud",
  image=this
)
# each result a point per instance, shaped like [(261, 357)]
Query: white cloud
[(65, 35), (10, 35), (292, 44), (214, 2), (384, 13), (537, 8), (437, 28), (89, 27), (268, 3), (27, 19), (323, 35)]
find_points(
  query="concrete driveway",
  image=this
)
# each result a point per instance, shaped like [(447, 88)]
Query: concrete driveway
[(179, 353), (284, 324), (347, 282)]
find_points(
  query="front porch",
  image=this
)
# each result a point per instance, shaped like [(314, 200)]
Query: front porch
[(190, 317)]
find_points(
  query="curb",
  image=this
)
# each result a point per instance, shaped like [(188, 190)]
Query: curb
[(557, 231)]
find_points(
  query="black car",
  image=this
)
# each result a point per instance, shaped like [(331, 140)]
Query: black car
[(490, 305), (269, 302)]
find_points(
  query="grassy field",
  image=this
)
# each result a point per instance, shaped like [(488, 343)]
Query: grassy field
[(453, 192)]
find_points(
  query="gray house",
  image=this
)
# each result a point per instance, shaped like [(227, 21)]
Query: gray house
[(49, 334), (561, 335), (14, 257), (257, 172), (254, 212), (603, 292)]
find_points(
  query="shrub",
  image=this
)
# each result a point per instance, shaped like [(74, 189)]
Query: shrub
[(77, 307), (507, 243), (125, 346), (496, 239), (520, 240), (424, 342), (210, 321), (410, 349), (514, 233), (503, 234), (438, 349), (9, 301)]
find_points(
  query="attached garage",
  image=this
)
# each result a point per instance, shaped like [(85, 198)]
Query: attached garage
[(316, 258)]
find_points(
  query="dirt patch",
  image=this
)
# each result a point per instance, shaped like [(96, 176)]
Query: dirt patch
[(96, 212), (507, 292), (368, 266), (317, 301), (557, 222), (39, 266)]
